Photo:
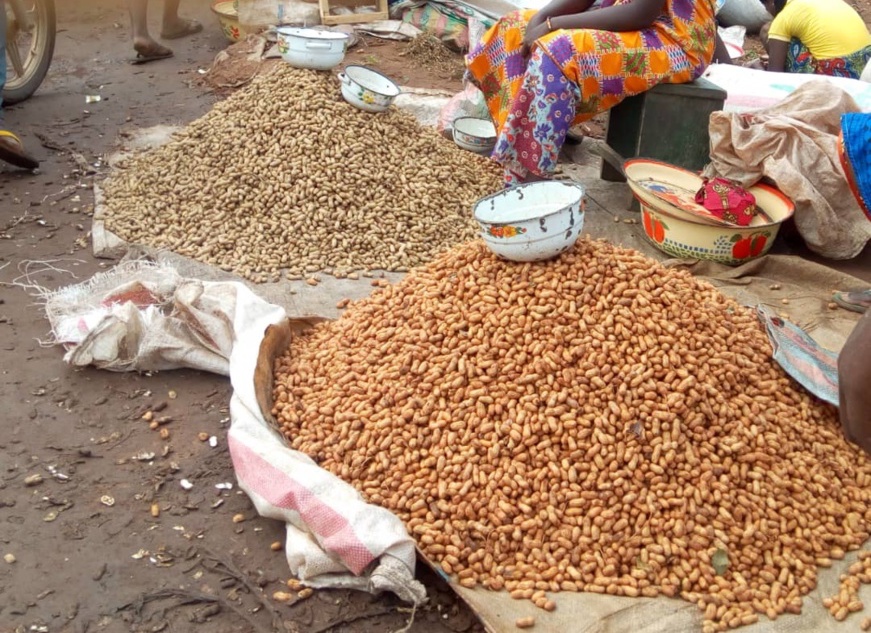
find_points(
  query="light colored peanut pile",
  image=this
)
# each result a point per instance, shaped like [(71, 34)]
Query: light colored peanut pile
[(847, 600), (597, 423), (286, 176)]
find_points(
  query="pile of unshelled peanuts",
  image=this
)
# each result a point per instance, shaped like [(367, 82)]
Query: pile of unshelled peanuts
[(597, 423), (284, 177)]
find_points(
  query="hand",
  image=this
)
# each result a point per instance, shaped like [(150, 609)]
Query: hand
[(854, 377), (534, 31)]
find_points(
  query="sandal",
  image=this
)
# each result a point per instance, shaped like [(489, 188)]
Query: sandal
[(855, 301), (12, 151), (151, 54), (184, 28)]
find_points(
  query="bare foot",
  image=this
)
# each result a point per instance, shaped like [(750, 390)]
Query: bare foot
[(180, 28)]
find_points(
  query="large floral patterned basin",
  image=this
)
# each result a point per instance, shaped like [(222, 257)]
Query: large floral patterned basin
[(663, 195), (681, 239), (228, 16)]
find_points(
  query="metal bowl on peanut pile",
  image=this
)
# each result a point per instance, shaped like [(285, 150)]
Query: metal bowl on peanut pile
[(532, 222), (315, 49), (474, 134), (367, 89)]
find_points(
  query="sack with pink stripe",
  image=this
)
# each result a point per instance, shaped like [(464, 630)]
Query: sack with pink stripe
[(143, 316), (334, 538)]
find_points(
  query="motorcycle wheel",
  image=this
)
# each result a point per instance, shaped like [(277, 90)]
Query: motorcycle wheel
[(28, 50)]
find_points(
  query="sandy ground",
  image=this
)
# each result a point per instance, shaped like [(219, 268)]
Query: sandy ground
[(88, 553)]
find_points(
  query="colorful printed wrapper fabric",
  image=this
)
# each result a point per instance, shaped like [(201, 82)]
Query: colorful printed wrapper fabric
[(815, 368), (727, 201), (538, 121), (800, 60), (599, 68), (854, 150)]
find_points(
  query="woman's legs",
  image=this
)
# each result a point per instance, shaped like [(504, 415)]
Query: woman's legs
[(539, 117), (497, 65), (147, 48), (175, 27)]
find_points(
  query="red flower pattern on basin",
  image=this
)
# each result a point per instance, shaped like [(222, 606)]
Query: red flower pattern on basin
[(506, 231)]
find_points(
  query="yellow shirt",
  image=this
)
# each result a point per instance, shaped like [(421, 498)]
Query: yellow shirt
[(829, 28)]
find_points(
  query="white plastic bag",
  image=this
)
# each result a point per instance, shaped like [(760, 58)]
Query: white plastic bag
[(733, 38), (469, 102)]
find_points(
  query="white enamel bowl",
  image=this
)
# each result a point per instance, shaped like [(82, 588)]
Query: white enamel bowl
[(367, 89), (311, 48), (475, 135), (532, 222)]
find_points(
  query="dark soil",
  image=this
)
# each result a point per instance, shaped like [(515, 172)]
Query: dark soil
[(89, 555)]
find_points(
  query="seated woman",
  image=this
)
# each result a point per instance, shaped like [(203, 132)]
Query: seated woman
[(824, 37), (544, 72)]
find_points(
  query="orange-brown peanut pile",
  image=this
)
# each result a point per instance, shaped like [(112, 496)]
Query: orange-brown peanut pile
[(596, 423)]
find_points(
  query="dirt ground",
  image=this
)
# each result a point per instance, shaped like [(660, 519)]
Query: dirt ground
[(80, 470), (89, 555)]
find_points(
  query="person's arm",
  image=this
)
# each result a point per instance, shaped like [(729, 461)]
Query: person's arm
[(537, 26), (561, 7), (777, 50), (785, 26), (632, 16), (854, 380)]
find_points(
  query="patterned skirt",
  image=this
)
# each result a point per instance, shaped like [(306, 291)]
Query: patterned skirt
[(800, 60), (572, 75)]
